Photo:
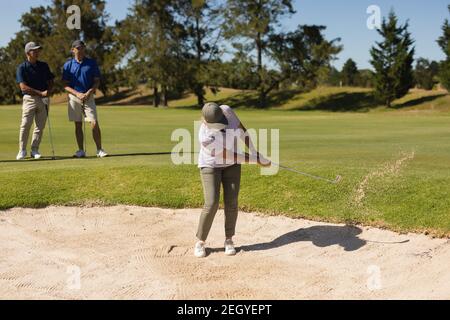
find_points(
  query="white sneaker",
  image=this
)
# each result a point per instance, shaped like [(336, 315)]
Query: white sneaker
[(36, 155), (229, 248), (101, 153), (22, 154), (199, 250), (80, 154)]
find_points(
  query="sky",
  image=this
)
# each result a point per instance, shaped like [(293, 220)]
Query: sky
[(345, 19)]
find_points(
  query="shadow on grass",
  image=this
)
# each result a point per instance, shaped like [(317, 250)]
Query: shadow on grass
[(358, 102), (115, 97), (343, 102), (339, 102), (418, 101), (45, 159), (251, 100), (133, 97), (320, 236), (241, 100)]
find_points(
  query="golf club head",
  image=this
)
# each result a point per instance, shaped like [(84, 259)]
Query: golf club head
[(338, 179)]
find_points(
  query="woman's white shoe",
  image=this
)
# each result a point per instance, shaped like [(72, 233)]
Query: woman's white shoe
[(199, 250), (229, 248)]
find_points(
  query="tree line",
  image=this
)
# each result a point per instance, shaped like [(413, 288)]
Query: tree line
[(178, 46)]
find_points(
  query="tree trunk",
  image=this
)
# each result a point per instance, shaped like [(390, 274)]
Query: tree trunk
[(200, 96), (262, 95), (199, 86), (262, 99), (155, 96), (164, 96), (198, 42)]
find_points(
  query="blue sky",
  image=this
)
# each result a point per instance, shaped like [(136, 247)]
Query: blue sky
[(344, 19)]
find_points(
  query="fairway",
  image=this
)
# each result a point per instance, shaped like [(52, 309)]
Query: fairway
[(394, 165)]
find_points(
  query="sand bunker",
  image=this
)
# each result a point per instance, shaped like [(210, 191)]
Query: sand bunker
[(146, 253)]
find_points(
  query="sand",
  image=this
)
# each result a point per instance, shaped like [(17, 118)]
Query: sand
[(146, 253)]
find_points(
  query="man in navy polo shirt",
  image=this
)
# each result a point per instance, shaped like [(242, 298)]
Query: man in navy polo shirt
[(36, 81), (82, 78)]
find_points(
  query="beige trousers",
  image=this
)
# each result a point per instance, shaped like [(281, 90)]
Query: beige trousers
[(33, 109)]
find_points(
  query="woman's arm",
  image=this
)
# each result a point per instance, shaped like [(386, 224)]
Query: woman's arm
[(249, 143), (247, 140)]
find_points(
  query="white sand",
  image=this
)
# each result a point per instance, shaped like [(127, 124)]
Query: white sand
[(146, 253)]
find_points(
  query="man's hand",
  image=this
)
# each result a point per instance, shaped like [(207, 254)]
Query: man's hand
[(81, 96), (90, 92), (44, 94)]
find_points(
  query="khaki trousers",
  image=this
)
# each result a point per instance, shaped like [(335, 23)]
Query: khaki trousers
[(33, 109), (212, 179)]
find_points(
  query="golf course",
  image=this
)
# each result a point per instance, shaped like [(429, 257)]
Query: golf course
[(394, 162), (123, 227), (230, 150)]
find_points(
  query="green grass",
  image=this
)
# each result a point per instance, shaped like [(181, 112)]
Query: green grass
[(323, 143), (335, 99)]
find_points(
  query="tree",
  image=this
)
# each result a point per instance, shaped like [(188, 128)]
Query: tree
[(8, 87), (239, 73), (201, 19), (425, 73), (254, 21), (333, 78), (303, 56), (392, 60), (10, 57), (444, 43), (349, 73), (153, 43), (365, 78)]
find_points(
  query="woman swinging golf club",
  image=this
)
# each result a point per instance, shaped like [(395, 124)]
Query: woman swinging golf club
[(220, 164)]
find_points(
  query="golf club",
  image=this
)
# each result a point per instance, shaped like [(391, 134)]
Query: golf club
[(46, 103), (254, 151), (83, 107), (335, 181)]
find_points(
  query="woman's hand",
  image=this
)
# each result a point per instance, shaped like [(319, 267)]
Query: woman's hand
[(263, 162)]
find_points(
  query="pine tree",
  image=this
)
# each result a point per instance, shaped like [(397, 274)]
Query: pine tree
[(444, 43), (425, 73), (349, 73), (393, 60)]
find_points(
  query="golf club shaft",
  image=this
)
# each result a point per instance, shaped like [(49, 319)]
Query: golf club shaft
[(84, 127), (305, 174), (50, 129)]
